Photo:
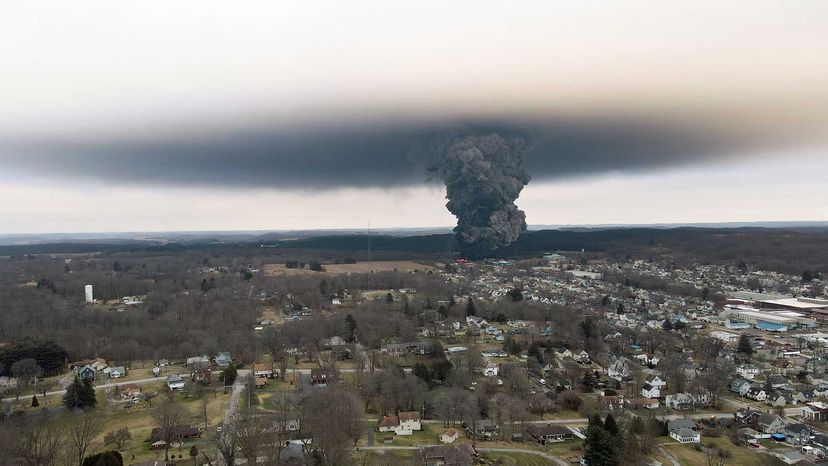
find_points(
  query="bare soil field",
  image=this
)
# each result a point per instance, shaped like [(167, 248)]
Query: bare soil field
[(359, 267)]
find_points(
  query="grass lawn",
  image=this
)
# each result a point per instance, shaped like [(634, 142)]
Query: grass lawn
[(516, 459), (739, 456), (387, 458), (427, 436)]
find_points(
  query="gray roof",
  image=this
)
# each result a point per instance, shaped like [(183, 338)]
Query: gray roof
[(679, 424)]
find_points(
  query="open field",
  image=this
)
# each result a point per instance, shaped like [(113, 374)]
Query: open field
[(276, 270), (687, 454), (516, 459)]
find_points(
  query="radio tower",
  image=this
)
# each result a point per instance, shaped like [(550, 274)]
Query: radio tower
[(369, 241)]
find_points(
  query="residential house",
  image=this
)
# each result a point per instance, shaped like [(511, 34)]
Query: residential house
[(791, 456), (86, 373), (648, 391), (797, 434), (748, 417), (777, 399), (612, 403), (485, 429), (410, 420), (656, 381), (117, 372), (450, 435), (740, 386), (323, 376), (391, 424), (583, 358), (684, 401), (198, 361), (748, 371), (549, 433), (462, 454), (263, 369), (490, 369), (619, 370), (562, 353), (756, 393), (770, 423), (175, 382), (223, 359), (815, 411), (683, 431), (641, 402), (179, 433)]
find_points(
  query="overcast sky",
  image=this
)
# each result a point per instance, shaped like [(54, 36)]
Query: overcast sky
[(294, 115)]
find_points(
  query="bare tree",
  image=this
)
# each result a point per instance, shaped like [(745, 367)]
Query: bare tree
[(41, 444), (81, 433), (334, 416), (118, 437), (169, 417)]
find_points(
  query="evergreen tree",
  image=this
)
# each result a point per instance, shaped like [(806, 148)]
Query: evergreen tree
[(610, 425), (599, 445), (229, 375), (589, 381), (80, 394), (35, 403), (350, 327), (471, 309), (667, 325), (107, 458), (744, 346)]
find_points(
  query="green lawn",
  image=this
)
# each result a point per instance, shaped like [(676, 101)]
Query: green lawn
[(516, 459), (739, 456)]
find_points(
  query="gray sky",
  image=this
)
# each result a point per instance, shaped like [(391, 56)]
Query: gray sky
[(204, 115)]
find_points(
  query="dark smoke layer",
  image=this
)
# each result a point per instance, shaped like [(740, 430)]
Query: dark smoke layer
[(484, 175)]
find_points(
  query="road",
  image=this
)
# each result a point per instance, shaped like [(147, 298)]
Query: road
[(103, 386), (160, 379), (233, 403), (789, 412)]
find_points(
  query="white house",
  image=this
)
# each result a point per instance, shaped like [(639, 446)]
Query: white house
[(175, 382), (490, 370), (656, 381), (685, 436), (748, 371), (683, 431), (449, 436), (648, 391), (756, 393), (410, 420), (618, 370), (117, 372)]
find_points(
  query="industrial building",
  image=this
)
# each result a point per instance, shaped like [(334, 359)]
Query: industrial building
[(777, 319)]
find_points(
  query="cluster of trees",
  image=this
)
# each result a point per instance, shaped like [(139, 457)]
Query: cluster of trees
[(48, 356), (38, 441)]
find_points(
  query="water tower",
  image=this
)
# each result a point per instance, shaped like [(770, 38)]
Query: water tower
[(88, 291)]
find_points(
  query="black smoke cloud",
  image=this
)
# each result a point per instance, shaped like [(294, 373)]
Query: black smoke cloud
[(484, 175), (362, 155)]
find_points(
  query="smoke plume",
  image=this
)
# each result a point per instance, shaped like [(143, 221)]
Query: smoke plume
[(484, 175)]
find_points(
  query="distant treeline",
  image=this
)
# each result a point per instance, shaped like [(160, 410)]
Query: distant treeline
[(784, 250)]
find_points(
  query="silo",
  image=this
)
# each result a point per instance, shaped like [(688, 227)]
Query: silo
[(88, 290)]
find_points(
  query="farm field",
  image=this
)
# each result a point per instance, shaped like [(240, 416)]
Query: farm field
[(359, 267)]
